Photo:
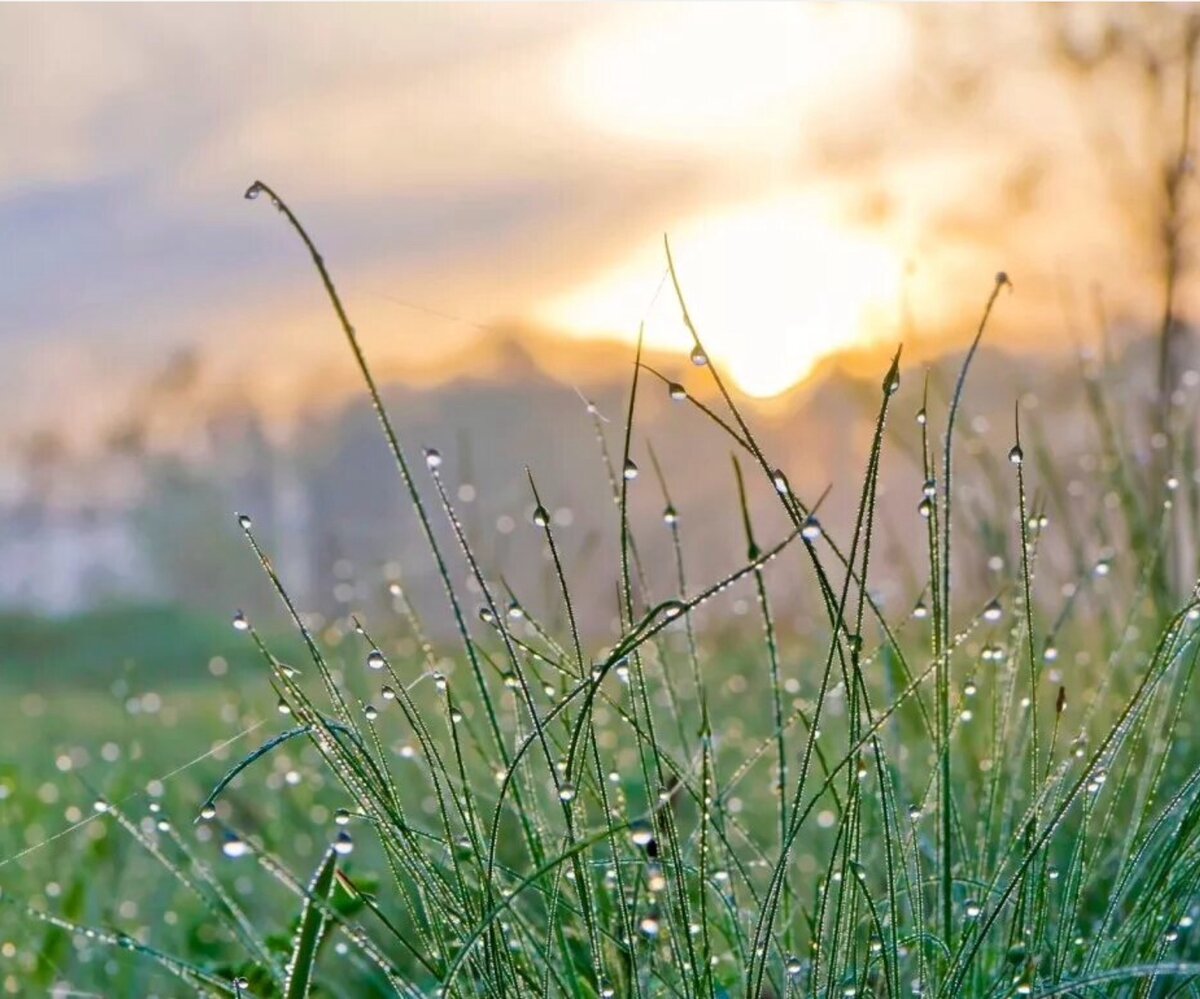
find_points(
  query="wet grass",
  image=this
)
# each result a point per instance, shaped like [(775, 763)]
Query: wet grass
[(978, 794)]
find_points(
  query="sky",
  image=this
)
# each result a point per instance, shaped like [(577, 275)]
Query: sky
[(830, 177)]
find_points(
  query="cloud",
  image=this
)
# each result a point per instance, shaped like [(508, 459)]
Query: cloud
[(484, 161)]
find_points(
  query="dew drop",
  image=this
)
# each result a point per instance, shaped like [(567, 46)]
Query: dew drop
[(244, 521), (253, 191), (780, 482), (343, 844), (676, 391), (630, 471), (234, 847), (433, 458), (240, 623), (649, 924), (370, 712), (810, 530), (388, 694), (670, 516), (208, 812), (920, 612), (925, 508), (993, 611), (541, 517), (282, 707), (698, 357), (566, 792), (641, 834), (375, 659), (1016, 455)]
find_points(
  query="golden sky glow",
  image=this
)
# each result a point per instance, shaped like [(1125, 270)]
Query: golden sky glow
[(829, 174), (773, 287)]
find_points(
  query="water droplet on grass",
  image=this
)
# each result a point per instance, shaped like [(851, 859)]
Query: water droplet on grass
[(234, 846), (630, 471), (698, 357), (375, 659), (240, 623), (676, 391), (343, 844), (433, 458)]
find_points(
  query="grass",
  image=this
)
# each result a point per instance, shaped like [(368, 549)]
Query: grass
[(984, 795)]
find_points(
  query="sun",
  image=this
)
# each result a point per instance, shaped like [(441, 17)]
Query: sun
[(773, 287)]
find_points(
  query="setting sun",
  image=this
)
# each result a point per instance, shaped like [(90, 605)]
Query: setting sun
[(772, 287)]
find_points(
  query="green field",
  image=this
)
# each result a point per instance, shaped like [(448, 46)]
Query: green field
[(985, 792)]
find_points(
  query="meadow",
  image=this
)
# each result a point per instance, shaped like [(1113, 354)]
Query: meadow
[(978, 793)]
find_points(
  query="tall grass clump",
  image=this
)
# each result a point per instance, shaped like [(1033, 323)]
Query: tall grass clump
[(985, 795)]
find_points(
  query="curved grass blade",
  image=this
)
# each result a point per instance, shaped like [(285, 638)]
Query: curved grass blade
[(312, 929)]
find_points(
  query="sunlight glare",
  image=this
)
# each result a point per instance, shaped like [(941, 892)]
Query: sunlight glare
[(772, 287)]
